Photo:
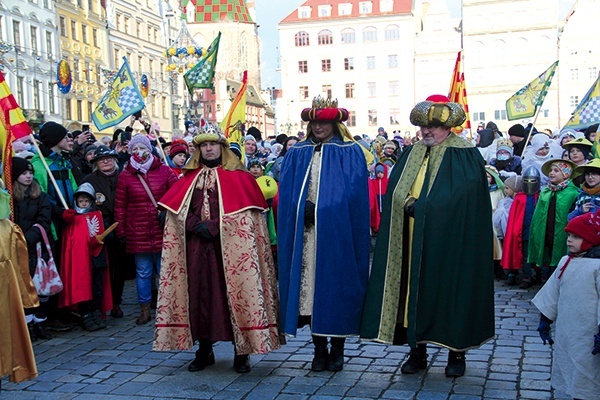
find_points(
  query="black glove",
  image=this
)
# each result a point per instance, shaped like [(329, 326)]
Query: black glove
[(309, 214), (162, 218), (202, 231), (596, 342), (409, 206), (544, 330)]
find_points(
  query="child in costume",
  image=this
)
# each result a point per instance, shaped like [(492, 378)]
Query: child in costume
[(496, 189), (588, 199), (179, 154), (512, 186), (571, 298), (547, 243), (377, 190), (84, 269)]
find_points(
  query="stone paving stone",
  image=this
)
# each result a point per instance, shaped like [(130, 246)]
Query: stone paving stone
[(71, 378), (92, 369), (99, 388), (299, 389), (230, 395), (432, 396), (534, 394), (467, 389), (148, 378), (398, 394), (535, 384), (464, 397), (536, 375), (286, 396), (508, 377), (332, 391), (91, 381), (500, 394), (494, 384)]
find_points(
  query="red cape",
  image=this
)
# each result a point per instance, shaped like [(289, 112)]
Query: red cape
[(512, 249), (239, 191), (377, 187)]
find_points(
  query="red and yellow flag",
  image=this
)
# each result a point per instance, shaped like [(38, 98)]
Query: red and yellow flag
[(13, 126), (232, 124), (458, 90)]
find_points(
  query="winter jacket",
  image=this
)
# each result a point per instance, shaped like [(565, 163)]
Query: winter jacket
[(106, 191), (135, 212), (27, 213)]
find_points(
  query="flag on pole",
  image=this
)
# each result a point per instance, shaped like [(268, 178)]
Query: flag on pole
[(122, 99), (202, 74), (13, 126), (588, 110), (528, 99), (233, 123), (458, 90)]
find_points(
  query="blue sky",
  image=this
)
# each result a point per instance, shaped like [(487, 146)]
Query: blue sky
[(270, 12)]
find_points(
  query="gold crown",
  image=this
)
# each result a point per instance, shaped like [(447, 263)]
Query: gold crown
[(319, 102), (504, 142)]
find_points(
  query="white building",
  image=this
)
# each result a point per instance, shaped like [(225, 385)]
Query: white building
[(360, 52), (29, 66)]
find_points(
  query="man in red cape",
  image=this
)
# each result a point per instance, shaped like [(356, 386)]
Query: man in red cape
[(217, 278)]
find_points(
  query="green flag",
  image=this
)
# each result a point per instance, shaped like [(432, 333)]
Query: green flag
[(526, 101), (201, 76)]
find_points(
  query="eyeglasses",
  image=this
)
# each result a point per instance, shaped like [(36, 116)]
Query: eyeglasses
[(69, 135), (591, 173)]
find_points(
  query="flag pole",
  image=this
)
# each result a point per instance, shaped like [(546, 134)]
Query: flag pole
[(532, 125), (152, 130), (43, 159)]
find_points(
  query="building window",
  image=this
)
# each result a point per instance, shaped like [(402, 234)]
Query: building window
[(90, 110), (34, 39), (69, 109), (394, 116), (326, 65), (372, 117), (98, 75), (545, 113), (1, 28), (348, 36), (17, 34), (325, 11), (499, 114), (95, 37), (91, 5), (349, 90), (140, 64), (351, 118), (574, 101), (478, 116), (47, 4), (344, 9), (393, 61), (386, 5), (49, 44), (79, 110), (370, 62), (301, 39), (84, 36), (326, 90), (365, 7), (304, 12), (36, 94), (20, 94), (76, 70), (86, 71), (303, 67), (149, 33), (349, 63), (138, 29), (392, 32), (394, 88), (126, 24), (63, 26), (80, 3), (303, 92), (574, 74), (325, 37), (371, 89), (593, 71), (51, 98), (73, 30), (370, 34)]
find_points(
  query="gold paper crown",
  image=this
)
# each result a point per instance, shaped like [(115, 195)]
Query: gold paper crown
[(319, 102), (504, 142)]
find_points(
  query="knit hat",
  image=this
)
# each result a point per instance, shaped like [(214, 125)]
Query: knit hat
[(254, 132), (249, 138), (52, 133), (140, 139), (517, 130), (19, 146), (506, 145), (20, 165), (90, 148), (379, 168), (235, 149), (515, 183), (177, 148), (565, 166), (281, 138), (390, 144), (587, 227), (437, 109)]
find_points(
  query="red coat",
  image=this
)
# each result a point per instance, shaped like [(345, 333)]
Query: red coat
[(137, 216), (512, 247), (377, 190)]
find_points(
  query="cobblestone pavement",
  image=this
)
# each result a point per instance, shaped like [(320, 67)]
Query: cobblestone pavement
[(118, 363)]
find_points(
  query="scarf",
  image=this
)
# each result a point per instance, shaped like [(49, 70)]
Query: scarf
[(143, 167), (595, 191), (559, 186)]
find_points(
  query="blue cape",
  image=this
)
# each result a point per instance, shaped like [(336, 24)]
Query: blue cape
[(342, 236)]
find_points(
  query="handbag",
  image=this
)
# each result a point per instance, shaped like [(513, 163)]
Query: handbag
[(46, 280)]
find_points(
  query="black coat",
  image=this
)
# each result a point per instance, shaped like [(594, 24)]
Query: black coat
[(106, 191), (29, 212)]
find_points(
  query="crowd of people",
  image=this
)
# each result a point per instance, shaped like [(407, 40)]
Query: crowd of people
[(248, 243)]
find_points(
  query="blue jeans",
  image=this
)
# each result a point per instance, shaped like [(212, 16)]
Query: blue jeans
[(146, 264)]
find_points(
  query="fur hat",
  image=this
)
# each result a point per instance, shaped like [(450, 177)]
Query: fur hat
[(438, 110), (52, 133), (324, 110), (20, 165), (587, 227), (517, 130)]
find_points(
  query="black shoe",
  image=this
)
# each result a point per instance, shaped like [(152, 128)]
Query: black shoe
[(201, 361), (40, 331), (320, 360), (525, 283), (32, 331), (511, 280), (58, 326), (336, 355), (97, 315), (89, 324), (456, 364), (241, 364), (416, 362)]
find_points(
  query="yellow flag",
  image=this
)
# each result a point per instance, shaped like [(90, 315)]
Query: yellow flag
[(232, 124)]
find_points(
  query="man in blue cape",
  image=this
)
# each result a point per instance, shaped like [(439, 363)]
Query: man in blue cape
[(323, 233), (432, 276)]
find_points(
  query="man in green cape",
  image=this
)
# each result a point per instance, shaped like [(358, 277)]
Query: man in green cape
[(432, 274)]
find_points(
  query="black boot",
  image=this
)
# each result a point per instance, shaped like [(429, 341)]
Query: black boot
[(417, 360), (40, 331), (154, 299), (204, 356), (32, 331), (456, 364), (319, 362), (336, 355)]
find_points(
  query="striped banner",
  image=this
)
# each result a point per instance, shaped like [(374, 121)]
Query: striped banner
[(458, 90)]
